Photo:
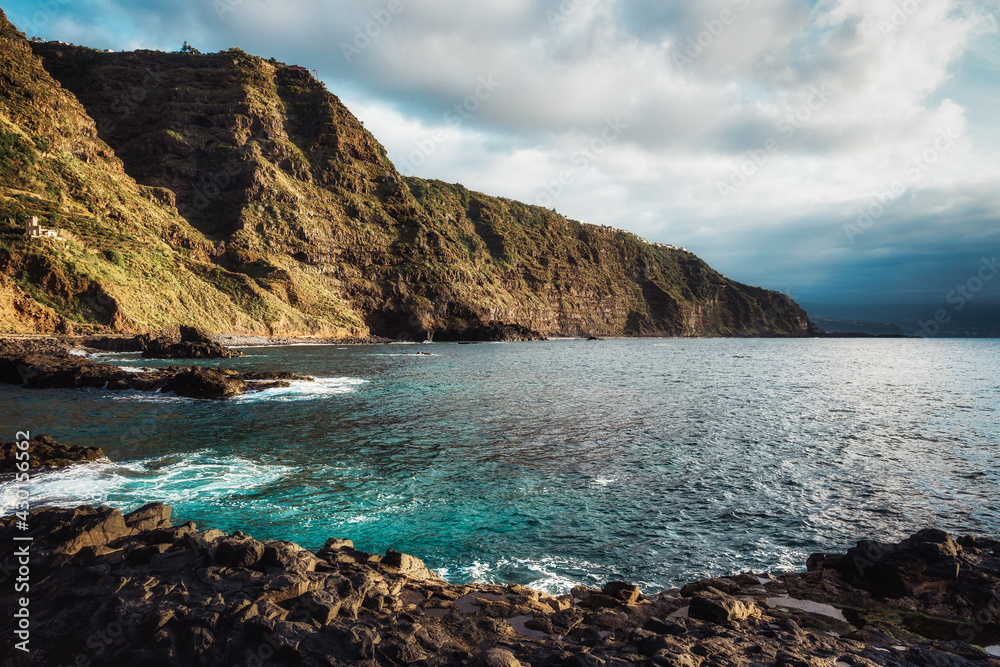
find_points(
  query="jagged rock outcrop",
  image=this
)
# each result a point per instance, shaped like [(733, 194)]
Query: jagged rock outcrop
[(48, 367), (194, 343), (182, 342), (941, 584), (261, 205), (44, 452), (112, 589)]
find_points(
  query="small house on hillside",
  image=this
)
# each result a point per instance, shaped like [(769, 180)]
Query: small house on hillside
[(297, 68), (32, 229)]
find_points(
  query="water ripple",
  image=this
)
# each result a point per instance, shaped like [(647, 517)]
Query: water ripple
[(562, 463)]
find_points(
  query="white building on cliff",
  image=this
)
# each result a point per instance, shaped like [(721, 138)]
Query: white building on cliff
[(34, 230)]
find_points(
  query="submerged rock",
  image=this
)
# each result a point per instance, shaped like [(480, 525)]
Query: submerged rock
[(152, 593)]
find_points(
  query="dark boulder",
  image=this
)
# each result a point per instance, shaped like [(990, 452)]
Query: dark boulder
[(199, 382), (624, 591), (115, 343), (238, 551), (154, 516), (495, 657), (45, 452), (164, 348), (898, 570)]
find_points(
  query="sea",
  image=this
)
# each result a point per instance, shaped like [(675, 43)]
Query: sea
[(557, 463)]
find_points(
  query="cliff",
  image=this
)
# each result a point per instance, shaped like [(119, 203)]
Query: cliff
[(235, 193)]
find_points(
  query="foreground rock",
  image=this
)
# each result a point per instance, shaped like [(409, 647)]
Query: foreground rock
[(47, 368), (928, 583), (113, 589), (45, 452)]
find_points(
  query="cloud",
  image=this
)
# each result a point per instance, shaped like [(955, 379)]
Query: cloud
[(751, 131)]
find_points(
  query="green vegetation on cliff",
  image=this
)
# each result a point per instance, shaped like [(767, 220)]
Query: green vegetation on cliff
[(235, 193)]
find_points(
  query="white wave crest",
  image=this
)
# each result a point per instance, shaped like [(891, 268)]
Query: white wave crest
[(201, 476), (305, 390)]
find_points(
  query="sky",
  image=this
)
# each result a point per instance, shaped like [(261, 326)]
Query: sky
[(840, 151)]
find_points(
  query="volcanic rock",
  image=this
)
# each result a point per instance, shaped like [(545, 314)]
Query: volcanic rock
[(109, 589), (44, 452), (44, 368)]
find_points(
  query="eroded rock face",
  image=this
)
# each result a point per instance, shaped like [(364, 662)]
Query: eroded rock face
[(114, 589), (490, 331), (45, 452)]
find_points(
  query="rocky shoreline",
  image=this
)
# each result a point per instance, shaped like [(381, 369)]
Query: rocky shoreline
[(101, 343), (52, 364), (114, 589), (235, 340)]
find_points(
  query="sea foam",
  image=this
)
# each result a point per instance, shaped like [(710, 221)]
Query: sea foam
[(199, 477)]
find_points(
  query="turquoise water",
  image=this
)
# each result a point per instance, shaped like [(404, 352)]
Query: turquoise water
[(561, 462)]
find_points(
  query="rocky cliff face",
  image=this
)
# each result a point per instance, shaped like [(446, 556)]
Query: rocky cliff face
[(238, 194), (126, 260)]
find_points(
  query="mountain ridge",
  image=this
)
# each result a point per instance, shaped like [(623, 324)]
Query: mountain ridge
[(267, 208)]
